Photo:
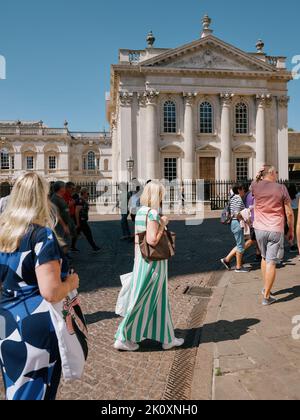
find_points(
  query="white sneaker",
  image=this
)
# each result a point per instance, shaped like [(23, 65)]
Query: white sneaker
[(126, 346), (178, 342)]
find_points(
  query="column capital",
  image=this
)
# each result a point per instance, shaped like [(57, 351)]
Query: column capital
[(189, 98), (125, 98), (283, 101), (151, 96), (142, 99), (226, 98), (264, 100)]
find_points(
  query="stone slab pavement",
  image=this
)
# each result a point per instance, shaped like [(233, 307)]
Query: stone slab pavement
[(247, 351)]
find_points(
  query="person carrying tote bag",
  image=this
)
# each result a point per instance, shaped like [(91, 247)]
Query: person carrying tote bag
[(148, 314), (32, 267)]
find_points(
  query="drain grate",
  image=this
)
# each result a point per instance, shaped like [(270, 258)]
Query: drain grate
[(203, 292)]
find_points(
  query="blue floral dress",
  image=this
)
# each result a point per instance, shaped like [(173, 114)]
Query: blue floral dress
[(29, 354)]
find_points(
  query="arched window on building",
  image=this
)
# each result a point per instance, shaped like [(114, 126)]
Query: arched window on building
[(170, 125), (91, 161), (241, 118), (106, 162), (206, 118)]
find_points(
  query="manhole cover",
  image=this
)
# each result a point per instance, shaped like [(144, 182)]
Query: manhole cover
[(199, 291)]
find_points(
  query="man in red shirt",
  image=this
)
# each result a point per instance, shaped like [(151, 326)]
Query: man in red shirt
[(68, 197), (272, 204)]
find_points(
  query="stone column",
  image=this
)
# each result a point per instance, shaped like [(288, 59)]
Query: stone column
[(125, 100), (151, 155), (283, 138), (226, 141), (189, 141), (261, 138), (115, 150)]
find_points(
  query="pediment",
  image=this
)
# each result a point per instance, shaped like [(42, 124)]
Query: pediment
[(209, 54)]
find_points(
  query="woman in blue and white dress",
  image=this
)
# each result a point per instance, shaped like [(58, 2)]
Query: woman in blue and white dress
[(33, 272)]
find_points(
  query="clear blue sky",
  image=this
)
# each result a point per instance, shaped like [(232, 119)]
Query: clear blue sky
[(59, 52)]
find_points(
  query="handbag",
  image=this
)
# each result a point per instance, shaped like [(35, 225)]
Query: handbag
[(164, 250), (71, 331)]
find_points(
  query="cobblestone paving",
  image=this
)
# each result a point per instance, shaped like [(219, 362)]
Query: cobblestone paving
[(111, 375)]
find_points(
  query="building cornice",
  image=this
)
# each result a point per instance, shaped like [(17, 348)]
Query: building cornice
[(280, 75)]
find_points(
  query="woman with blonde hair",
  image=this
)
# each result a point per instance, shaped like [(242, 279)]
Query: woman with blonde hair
[(148, 315), (33, 272)]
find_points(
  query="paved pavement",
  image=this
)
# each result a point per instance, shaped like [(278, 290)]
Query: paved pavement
[(251, 349), (234, 319)]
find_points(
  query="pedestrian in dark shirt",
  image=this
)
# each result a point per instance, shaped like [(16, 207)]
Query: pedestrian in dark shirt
[(65, 226), (82, 218)]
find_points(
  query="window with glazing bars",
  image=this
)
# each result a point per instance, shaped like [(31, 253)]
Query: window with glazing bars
[(206, 118), (91, 161), (241, 118), (52, 163), (4, 160), (242, 169), (170, 117), (29, 162), (170, 169)]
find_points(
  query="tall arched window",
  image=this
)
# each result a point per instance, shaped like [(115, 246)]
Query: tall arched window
[(206, 118), (241, 118), (91, 161), (170, 125)]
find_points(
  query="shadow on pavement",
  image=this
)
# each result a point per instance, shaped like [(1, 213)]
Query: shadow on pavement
[(198, 250), (293, 293), (216, 332), (221, 331), (99, 316)]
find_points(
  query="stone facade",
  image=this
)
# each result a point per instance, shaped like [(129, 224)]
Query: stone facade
[(203, 110), (294, 153), (57, 154)]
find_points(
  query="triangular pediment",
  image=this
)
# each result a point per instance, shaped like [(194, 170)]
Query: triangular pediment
[(209, 53)]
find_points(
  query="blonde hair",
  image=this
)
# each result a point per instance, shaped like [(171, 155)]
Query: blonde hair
[(266, 170), (28, 204), (153, 195)]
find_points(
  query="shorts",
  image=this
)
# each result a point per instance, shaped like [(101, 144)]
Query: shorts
[(270, 245), (238, 235)]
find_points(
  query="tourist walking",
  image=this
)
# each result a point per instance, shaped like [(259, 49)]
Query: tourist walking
[(236, 207), (148, 315), (249, 204), (135, 203), (82, 219), (295, 196), (272, 206), (32, 267), (71, 203), (65, 225)]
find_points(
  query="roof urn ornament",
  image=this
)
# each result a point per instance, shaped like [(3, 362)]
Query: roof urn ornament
[(150, 39), (260, 46), (206, 22), (66, 124)]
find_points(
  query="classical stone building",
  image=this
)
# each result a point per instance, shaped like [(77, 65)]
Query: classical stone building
[(56, 153), (202, 110), (294, 154)]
